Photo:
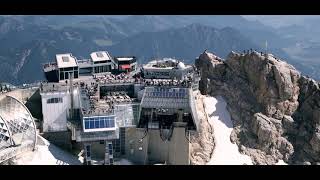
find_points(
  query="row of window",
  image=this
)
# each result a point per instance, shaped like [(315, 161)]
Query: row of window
[(157, 89), (101, 69), (65, 75), (54, 100), (167, 94), (159, 73), (99, 122), (101, 62)]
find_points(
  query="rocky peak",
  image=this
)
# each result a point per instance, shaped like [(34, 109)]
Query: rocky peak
[(269, 101)]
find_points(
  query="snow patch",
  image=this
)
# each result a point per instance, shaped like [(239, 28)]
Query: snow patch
[(281, 162), (225, 152), (48, 154)]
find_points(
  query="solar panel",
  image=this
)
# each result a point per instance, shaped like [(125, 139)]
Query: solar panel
[(99, 54), (65, 58), (99, 122)]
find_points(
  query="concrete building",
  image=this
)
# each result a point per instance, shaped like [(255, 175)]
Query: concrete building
[(119, 111), (126, 63), (66, 64)]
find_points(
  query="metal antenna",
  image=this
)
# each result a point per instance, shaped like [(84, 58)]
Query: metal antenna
[(266, 46)]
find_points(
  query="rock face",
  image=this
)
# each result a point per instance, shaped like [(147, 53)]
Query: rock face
[(275, 110), (307, 118), (202, 142)]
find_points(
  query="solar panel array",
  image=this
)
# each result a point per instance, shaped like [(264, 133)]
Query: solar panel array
[(99, 122), (167, 93), (158, 97)]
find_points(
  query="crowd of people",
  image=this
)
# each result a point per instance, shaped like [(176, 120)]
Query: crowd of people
[(111, 78), (169, 82), (116, 97)]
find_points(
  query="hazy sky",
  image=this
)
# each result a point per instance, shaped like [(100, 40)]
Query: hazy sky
[(280, 20)]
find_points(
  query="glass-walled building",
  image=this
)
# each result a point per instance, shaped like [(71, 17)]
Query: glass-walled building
[(102, 62), (68, 66)]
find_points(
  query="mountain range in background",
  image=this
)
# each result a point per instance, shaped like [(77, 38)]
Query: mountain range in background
[(29, 41)]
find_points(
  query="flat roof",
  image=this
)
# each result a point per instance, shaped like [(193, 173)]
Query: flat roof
[(124, 58), (100, 56), (66, 60)]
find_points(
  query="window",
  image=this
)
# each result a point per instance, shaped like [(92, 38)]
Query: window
[(88, 149), (96, 124), (76, 74), (66, 75), (91, 124), (110, 146), (61, 76), (86, 124), (102, 123), (54, 100)]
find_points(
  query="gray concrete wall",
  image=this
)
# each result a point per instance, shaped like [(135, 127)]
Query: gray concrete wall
[(97, 150), (158, 149), (178, 147), (154, 149), (133, 143)]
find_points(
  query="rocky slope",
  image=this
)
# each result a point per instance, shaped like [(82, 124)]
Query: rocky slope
[(202, 142), (275, 110)]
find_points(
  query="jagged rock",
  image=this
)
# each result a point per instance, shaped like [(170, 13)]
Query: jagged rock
[(315, 142), (308, 119), (264, 129), (274, 83), (202, 142), (289, 124), (270, 103)]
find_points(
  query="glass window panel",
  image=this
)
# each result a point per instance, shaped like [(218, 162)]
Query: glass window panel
[(91, 124), (96, 124), (112, 123), (86, 124), (107, 123), (102, 124)]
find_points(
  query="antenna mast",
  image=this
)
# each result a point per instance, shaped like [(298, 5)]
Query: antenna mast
[(266, 46)]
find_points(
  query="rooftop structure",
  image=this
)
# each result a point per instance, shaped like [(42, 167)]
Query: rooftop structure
[(100, 56), (166, 68), (126, 63), (100, 62), (66, 61)]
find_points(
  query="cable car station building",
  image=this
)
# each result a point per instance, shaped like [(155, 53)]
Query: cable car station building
[(113, 113)]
